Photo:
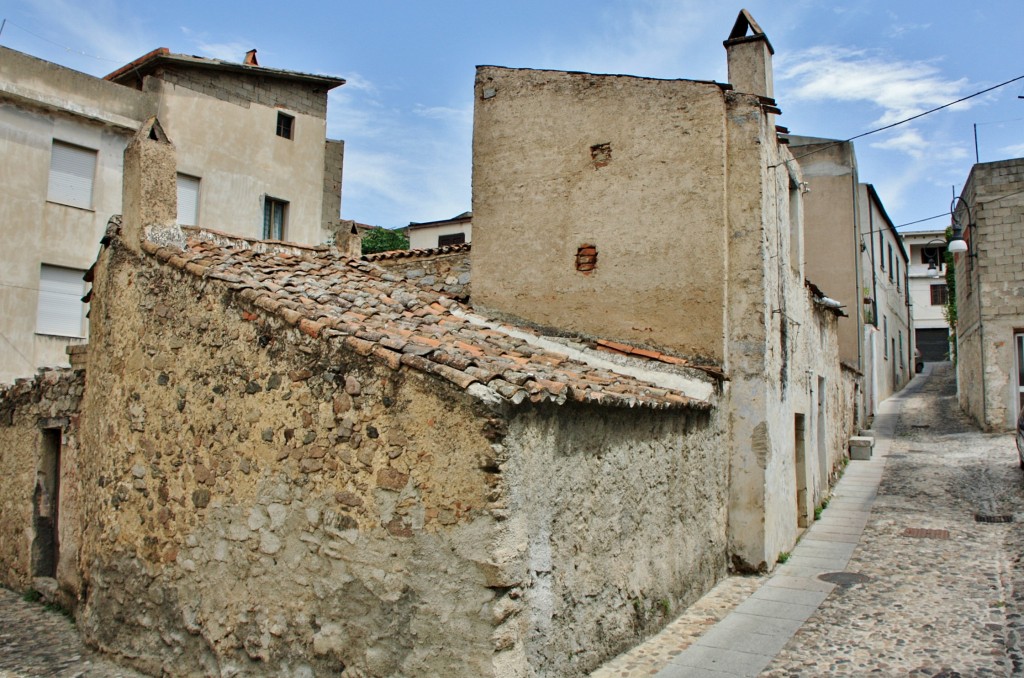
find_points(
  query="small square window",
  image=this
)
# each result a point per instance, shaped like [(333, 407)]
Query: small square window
[(275, 217), (451, 239), (940, 295), (60, 311), (285, 125)]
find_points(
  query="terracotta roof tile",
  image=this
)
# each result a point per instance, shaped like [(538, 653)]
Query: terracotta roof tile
[(355, 302)]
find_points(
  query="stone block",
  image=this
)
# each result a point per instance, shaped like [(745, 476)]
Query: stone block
[(861, 447)]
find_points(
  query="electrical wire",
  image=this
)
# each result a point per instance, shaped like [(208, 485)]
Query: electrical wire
[(8, 22), (901, 122)]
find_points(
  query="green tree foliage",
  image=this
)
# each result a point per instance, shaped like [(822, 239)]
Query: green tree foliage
[(384, 240), (949, 312)]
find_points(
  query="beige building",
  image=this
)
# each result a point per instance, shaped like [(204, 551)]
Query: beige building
[(690, 243), (990, 294), (430, 234), (928, 293), (851, 242), (252, 160)]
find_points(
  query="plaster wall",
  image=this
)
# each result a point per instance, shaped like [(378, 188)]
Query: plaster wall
[(426, 238), (620, 521), (894, 362), (634, 167), (240, 160), (831, 238), (43, 232)]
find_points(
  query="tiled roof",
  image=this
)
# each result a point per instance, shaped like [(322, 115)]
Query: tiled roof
[(334, 298), (420, 253)]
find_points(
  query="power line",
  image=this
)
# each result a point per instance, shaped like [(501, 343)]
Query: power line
[(901, 122), (8, 22)]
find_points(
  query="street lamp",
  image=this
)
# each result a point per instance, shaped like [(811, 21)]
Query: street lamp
[(957, 243), (934, 263)]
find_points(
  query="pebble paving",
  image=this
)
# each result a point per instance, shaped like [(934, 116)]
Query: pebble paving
[(35, 641), (929, 590)]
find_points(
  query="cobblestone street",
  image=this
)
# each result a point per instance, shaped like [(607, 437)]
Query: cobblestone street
[(940, 590), (941, 581)]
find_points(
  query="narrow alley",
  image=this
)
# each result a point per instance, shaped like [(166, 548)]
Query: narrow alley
[(926, 574), (933, 585)]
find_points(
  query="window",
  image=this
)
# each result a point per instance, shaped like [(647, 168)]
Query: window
[(59, 309), (940, 295), (188, 200), (901, 349), (890, 263), (451, 239), (885, 337), (898, 281), (881, 249), (285, 124), (72, 170), (275, 216)]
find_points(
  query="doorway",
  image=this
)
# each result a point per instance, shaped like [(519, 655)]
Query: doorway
[(45, 500), (800, 465)]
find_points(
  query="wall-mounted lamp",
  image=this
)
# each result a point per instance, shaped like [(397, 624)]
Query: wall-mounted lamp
[(932, 253), (957, 243)]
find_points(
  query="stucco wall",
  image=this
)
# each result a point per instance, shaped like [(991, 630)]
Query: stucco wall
[(267, 504), (50, 401), (426, 238), (544, 185), (620, 522), (239, 159)]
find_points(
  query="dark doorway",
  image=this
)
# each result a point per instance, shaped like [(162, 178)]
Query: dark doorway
[(45, 500), (933, 344)]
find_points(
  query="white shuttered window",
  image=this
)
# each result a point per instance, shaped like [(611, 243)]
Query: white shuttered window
[(60, 307), (188, 200), (72, 170)]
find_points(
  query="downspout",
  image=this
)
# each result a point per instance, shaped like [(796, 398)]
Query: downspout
[(981, 325)]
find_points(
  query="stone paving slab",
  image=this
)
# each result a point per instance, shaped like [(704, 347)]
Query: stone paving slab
[(730, 662)]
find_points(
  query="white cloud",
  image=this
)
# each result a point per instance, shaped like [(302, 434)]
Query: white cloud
[(1013, 151), (97, 29), (910, 141), (900, 88)]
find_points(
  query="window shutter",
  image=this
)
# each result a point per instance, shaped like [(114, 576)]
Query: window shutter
[(188, 200), (72, 169), (59, 311)]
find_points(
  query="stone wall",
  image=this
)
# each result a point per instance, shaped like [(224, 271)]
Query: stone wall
[(447, 273), (28, 409), (990, 294), (270, 504), (620, 523)]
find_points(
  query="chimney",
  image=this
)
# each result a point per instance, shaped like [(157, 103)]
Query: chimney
[(250, 58), (150, 190), (750, 58), (354, 243)]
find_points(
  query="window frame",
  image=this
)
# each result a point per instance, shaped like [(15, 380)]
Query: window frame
[(449, 239), (198, 196), (69, 187), (270, 204), (55, 292), (285, 125), (944, 294)]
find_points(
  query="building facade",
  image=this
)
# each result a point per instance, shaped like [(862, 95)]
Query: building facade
[(691, 243), (851, 242), (430, 234), (990, 294), (253, 161), (929, 293)]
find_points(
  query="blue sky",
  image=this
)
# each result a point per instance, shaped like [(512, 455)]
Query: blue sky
[(405, 114)]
